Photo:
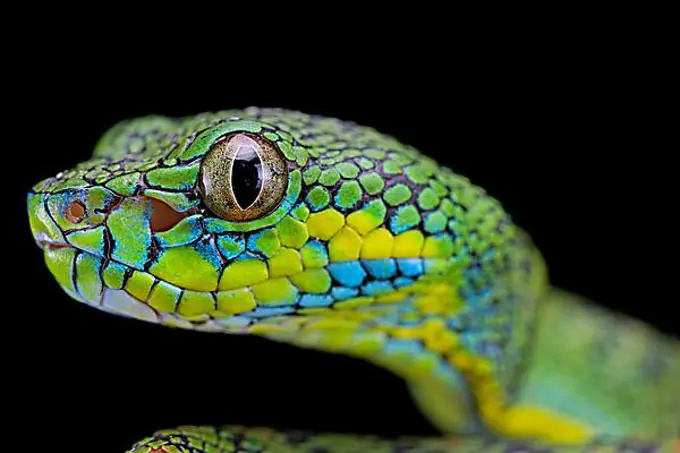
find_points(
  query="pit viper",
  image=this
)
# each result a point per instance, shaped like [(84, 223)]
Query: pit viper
[(327, 234)]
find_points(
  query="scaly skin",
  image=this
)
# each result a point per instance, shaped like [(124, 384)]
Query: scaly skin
[(375, 251)]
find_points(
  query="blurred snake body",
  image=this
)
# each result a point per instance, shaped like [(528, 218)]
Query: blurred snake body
[(330, 235)]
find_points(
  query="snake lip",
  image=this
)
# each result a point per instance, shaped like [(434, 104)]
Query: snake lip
[(47, 243)]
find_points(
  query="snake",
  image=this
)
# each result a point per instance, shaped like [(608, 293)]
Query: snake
[(327, 234)]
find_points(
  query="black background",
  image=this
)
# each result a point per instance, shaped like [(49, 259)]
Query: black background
[(567, 139)]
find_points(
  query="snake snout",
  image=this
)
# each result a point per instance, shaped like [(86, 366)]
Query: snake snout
[(45, 231)]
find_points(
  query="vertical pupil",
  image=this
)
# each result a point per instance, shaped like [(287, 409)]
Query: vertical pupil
[(246, 176)]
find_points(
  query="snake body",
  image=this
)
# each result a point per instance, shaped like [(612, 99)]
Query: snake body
[(327, 234)]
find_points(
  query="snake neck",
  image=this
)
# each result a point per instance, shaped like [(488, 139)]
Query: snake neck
[(458, 336)]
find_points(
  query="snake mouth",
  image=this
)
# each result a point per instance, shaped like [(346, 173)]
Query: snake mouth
[(47, 243)]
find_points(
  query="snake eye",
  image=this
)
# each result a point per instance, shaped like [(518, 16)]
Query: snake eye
[(243, 177)]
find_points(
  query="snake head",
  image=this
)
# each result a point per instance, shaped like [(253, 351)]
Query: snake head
[(219, 221)]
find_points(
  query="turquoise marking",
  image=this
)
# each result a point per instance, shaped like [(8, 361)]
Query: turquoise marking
[(208, 251), (375, 208), (376, 287), (411, 267), (316, 300), (317, 250), (57, 204), (403, 281), (406, 217), (245, 255), (233, 321), (380, 268), (433, 264), (343, 293), (231, 245), (264, 237), (348, 273), (409, 348), (348, 195), (130, 231)]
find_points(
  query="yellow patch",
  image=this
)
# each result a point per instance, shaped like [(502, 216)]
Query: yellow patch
[(527, 421), (363, 221), (264, 329), (316, 311), (444, 342), (377, 244), (331, 340), (345, 245), (292, 232), (388, 298), (408, 244), (312, 281), (243, 273), (403, 333), (513, 421), (286, 262), (437, 247), (435, 304), (274, 292), (139, 285), (353, 303), (325, 224), (428, 329), (237, 301), (185, 267), (163, 297), (193, 303), (367, 342)]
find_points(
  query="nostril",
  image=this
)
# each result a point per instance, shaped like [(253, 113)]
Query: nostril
[(163, 217), (75, 212)]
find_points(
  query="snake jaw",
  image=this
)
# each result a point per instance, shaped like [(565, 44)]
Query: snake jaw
[(46, 243), (119, 302)]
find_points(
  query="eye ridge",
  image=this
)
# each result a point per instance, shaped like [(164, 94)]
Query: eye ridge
[(243, 177)]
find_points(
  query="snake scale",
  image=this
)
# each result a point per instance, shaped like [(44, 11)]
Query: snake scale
[(330, 235)]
